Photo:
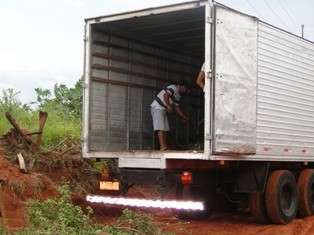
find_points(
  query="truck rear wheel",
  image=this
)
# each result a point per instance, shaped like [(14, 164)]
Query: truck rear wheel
[(306, 192), (258, 208), (281, 197)]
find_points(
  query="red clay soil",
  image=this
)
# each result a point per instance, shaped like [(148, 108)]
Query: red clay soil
[(220, 225), (236, 225), (16, 188)]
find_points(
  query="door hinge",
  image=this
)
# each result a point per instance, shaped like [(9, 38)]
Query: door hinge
[(209, 20), (208, 137), (209, 75)]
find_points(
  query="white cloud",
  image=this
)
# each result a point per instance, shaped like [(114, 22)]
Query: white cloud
[(6, 85), (76, 3), (12, 61), (8, 15), (27, 81)]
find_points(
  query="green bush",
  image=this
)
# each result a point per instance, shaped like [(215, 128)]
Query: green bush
[(2, 231), (59, 216)]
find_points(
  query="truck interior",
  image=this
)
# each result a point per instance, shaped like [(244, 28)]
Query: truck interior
[(132, 59)]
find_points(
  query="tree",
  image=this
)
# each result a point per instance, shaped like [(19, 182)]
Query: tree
[(9, 100), (43, 96), (70, 99)]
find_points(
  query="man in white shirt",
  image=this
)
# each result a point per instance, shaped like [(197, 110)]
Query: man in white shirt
[(200, 80), (163, 103)]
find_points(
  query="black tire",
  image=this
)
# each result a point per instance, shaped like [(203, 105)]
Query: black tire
[(195, 194), (258, 208), (306, 192), (281, 197)]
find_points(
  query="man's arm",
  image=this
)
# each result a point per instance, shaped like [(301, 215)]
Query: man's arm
[(180, 113), (167, 101), (200, 79)]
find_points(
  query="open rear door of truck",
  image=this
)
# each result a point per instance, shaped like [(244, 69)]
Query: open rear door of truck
[(234, 82), (208, 91)]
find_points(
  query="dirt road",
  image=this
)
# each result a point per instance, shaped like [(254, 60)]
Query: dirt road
[(237, 225), (223, 224), (217, 224)]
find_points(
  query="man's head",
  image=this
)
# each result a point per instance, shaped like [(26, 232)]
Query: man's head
[(183, 87)]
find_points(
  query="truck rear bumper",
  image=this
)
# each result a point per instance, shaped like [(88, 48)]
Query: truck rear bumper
[(160, 159)]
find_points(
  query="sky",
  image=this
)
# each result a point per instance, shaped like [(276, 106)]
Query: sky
[(41, 41)]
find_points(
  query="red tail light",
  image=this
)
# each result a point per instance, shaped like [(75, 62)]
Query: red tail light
[(186, 178)]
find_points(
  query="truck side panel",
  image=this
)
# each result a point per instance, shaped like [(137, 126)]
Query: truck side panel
[(285, 94)]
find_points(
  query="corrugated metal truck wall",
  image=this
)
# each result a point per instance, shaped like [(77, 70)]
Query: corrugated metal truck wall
[(285, 94), (125, 78)]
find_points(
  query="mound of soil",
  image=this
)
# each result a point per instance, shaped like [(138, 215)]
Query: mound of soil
[(81, 176), (16, 189), (46, 170)]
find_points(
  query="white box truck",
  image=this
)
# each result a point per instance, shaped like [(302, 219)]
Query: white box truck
[(256, 142)]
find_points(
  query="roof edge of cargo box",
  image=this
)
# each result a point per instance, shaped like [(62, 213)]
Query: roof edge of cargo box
[(262, 21), (286, 31), (199, 3), (191, 4)]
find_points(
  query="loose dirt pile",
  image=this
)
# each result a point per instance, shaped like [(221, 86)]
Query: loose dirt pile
[(46, 174), (63, 163), (46, 168), (16, 189)]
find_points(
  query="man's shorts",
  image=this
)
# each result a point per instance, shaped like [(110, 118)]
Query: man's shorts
[(160, 119)]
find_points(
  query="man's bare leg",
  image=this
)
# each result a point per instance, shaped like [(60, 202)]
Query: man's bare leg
[(162, 137)]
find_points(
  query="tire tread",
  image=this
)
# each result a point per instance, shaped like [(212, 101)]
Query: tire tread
[(303, 180), (258, 208), (272, 197)]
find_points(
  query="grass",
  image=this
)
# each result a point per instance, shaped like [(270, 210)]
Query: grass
[(63, 113), (58, 125), (26, 119)]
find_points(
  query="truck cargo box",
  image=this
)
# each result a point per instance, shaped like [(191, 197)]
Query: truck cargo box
[(258, 97)]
